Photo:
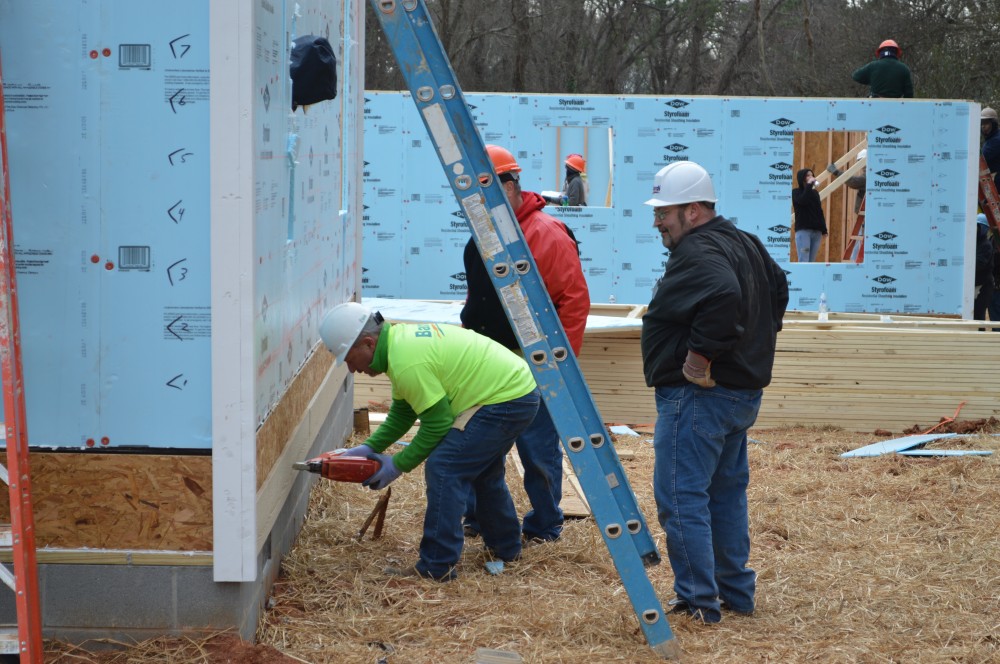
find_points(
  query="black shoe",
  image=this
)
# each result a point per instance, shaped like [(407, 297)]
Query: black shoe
[(678, 605), (470, 532), (725, 606), (535, 541)]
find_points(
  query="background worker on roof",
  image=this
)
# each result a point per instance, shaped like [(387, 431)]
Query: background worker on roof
[(708, 341), (887, 75), (554, 249), (473, 398), (574, 190)]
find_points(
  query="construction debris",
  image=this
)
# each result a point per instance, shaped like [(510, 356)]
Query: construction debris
[(906, 446)]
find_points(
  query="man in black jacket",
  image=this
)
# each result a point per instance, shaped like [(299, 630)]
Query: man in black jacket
[(984, 269), (708, 342)]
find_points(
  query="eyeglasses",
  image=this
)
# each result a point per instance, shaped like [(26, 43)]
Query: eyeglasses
[(659, 214)]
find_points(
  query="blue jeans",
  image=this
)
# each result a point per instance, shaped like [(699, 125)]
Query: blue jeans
[(700, 479), (541, 455), (807, 245), (473, 461)]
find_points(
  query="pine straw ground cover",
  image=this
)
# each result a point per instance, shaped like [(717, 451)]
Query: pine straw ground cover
[(888, 559)]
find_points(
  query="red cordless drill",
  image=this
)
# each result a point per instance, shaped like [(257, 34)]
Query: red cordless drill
[(340, 468)]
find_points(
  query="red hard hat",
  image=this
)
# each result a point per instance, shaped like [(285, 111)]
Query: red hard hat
[(503, 160), (577, 163), (889, 43)]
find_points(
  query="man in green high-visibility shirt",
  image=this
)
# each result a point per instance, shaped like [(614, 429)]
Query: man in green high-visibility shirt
[(473, 397)]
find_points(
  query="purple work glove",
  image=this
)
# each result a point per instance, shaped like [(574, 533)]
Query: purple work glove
[(357, 451), (385, 476)]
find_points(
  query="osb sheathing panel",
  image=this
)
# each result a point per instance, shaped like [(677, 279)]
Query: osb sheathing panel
[(120, 501), (148, 502), (277, 429)]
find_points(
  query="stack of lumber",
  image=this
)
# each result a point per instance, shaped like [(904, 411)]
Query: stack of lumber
[(860, 372), (867, 374)]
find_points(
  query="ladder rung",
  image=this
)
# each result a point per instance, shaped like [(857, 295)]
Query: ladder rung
[(8, 577)]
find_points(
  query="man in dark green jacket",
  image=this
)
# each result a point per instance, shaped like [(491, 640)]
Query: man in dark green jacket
[(887, 76)]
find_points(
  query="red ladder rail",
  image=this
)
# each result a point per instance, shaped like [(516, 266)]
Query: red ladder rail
[(989, 201), (15, 429), (856, 240)]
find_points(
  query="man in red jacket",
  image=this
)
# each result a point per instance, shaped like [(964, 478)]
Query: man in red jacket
[(554, 249)]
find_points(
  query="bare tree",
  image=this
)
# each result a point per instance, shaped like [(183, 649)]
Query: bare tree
[(800, 48)]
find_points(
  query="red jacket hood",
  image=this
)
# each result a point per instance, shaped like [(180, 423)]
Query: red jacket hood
[(530, 203)]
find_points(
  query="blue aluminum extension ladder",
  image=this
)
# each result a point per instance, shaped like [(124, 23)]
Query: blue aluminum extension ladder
[(425, 66)]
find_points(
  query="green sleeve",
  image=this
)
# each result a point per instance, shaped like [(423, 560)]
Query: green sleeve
[(397, 422), (862, 75), (435, 422)]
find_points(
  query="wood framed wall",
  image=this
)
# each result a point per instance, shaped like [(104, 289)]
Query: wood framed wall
[(815, 150)]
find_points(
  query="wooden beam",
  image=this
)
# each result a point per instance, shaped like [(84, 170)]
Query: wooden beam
[(119, 557)]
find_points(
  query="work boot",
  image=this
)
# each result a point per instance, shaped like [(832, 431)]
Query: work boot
[(405, 572), (527, 541), (725, 606), (678, 605)]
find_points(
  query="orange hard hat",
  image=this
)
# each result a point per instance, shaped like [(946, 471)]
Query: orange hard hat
[(503, 160), (577, 163), (889, 43)]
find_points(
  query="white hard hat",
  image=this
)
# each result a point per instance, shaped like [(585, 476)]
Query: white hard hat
[(342, 325), (988, 114), (862, 154), (682, 182)]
